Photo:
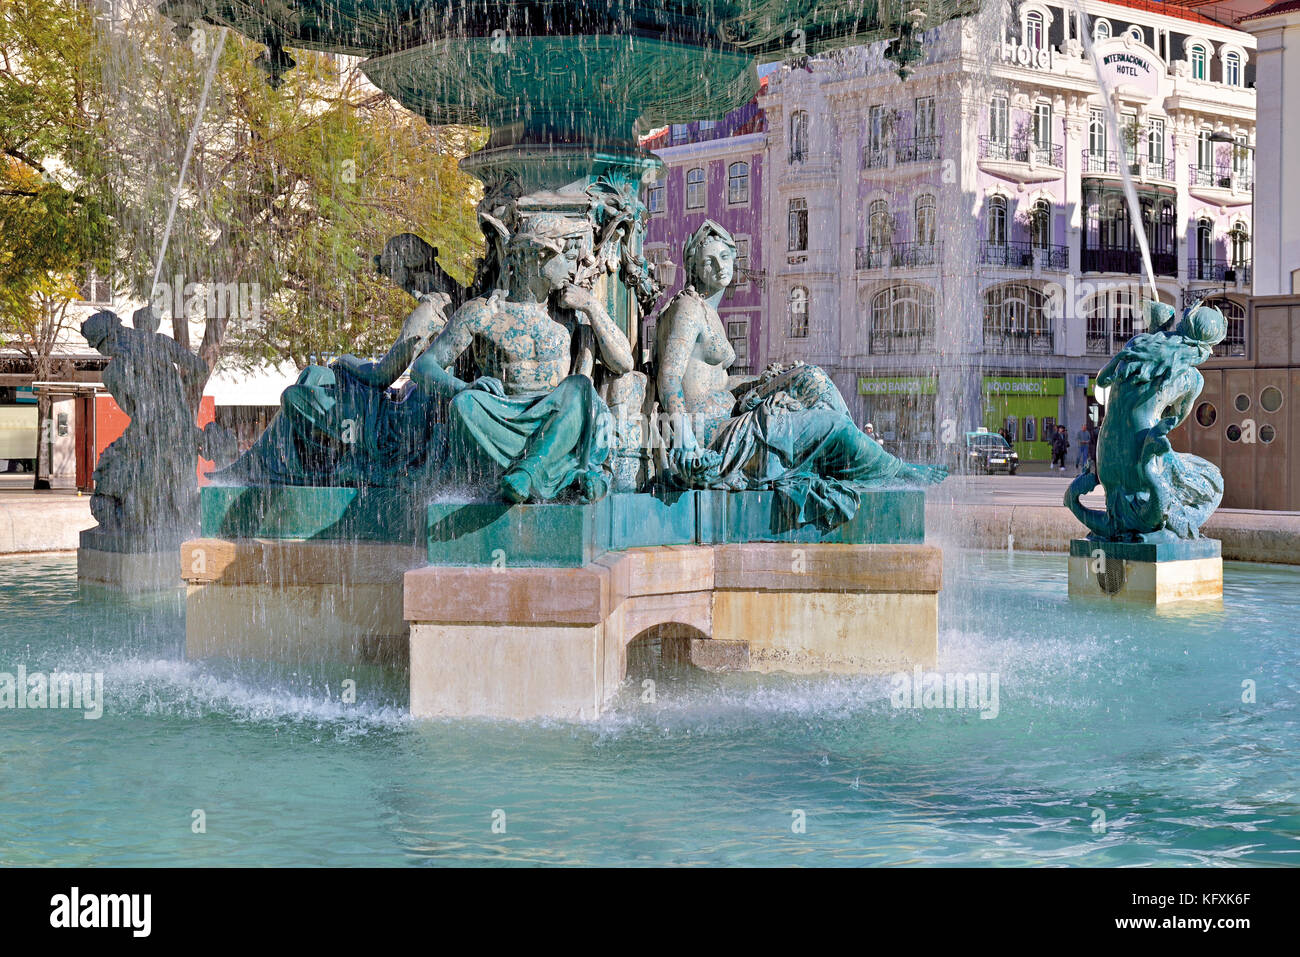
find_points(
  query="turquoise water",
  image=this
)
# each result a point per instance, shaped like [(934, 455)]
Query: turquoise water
[(1138, 717)]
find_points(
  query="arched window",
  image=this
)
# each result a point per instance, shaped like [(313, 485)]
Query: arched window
[(1234, 343), (1040, 224), (797, 226), (1232, 68), (902, 319), (925, 219), (737, 183), (1239, 239), (1016, 320), (1165, 226), (880, 225), (798, 136), (1136, 34), (1198, 58), (1204, 250), (1110, 321), (798, 313), (1034, 30), (1101, 30), (997, 215), (695, 191)]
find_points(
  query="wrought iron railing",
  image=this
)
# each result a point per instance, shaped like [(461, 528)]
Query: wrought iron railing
[(918, 149), (1219, 177), (1127, 261), (1146, 166), (911, 255), (875, 157), (1026, 342), (872, 257), (895, 343), (1040, 155), (1218, 270), (1022, 255)]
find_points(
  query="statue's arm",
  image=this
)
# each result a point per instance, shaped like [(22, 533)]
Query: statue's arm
[(192, 369), (679, 344), (613, 345), (430, 370), (1107, 375), (423, 321)]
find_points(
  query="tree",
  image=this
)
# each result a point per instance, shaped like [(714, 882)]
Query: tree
[(52, 224)]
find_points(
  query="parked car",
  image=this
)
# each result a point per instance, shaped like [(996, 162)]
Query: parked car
[(989, 452)]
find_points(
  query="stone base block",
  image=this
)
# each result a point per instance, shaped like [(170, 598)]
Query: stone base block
[(1115, 571), (295, 601), (521, 643), (129, 571)]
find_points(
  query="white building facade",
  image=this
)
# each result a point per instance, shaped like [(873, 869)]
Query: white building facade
[(956, 248)]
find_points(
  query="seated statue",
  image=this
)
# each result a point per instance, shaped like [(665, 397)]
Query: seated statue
[(340, 424), (525, 424), (790, 431), (1153, 493)]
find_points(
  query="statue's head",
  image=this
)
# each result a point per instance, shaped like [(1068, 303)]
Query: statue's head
[(1204, 326), (710, 258), (405, 256), (550, 247), (100, 328)]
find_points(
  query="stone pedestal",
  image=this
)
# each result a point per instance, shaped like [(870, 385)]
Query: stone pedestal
[(521, 643), (1147, 574), (126, 565)]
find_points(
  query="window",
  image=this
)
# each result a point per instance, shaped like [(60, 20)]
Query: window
[(680, 132), (655, 199), (925, 219), (1097, 134), (1198, 59), (923, 125), (879, 225), (695, 190), (876, 129), (706, 127), (1136, 34), (738, 336), (1156, 142), (797, 224), (798, 136), (95, 289), (1110, 321), (997, 216), (1204, 150), (737, 183), (1239, 239), (798, 313), (1040, 224), (1240, 157), (1232, 68), (1043, 128), (1128, 124), (1014, 311), (1034, 30), (902, 319), (998, 120), (1234, 343), (742, 262), (1204, 249), (1101, 30)]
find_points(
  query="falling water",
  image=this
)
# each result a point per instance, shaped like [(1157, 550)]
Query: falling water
[(1112, 133)]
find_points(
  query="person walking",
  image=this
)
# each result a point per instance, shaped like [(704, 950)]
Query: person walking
[(1060, 445), (1084, 439)]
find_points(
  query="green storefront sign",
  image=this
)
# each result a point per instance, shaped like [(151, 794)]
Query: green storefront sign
[(1028, 407), (897, 385)]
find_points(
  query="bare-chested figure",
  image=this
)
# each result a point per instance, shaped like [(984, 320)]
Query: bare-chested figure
[(525, 413)]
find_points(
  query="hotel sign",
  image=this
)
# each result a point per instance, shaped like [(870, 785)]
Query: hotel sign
[(1022, 55), (1131, 69), (1126, 64)]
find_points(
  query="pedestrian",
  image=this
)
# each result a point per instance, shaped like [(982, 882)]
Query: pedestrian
[(1060, 445), (1084, 438), (1093, 436)]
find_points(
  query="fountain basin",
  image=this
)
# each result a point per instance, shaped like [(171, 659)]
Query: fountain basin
[(1155, 574)]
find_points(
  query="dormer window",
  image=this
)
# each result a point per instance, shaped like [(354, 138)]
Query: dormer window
[(1101, 30), (1198, 60), (1034, 31), (1232, 68)]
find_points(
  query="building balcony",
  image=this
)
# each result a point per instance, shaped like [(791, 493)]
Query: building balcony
[(1128, 262), (1029, 153), (1218, 270), (898, 256), (1106, 340), (1144, 167), (1021, 255), (1218, 180), (1024, 341), (917, 149), (902, 343)]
